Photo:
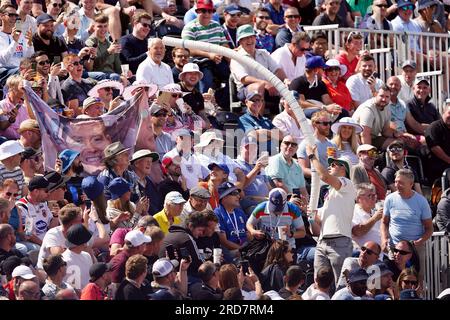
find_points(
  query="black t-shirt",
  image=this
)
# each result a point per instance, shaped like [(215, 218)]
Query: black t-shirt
[(6, 254), (308, 13), (393, 267), (324, 19), (389, 171), (134, 51), (438, 134), (72, 89), (284, 293), (55, 48), (194, 99), (423, 113), (207, 244), (201, 291), (302, 86)]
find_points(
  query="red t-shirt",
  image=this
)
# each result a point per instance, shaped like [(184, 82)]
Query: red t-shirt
[(378, 183), (340, 95), (351, 66), (92, 292), (214, 200)]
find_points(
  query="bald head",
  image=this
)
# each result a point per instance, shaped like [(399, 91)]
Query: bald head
[(29, 290), (395, 85), (66, 294)]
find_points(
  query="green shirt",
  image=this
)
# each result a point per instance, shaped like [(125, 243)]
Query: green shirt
[(104, 62), (361, 6), (290, 175), (212, 33)]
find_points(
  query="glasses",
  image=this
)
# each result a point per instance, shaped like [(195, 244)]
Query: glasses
[(41, 63), (160, 114), (382, 6), (324, 123), (76, 63), (396, 149), (293, 16), (410, 282), (204, 11), (181, 56), (234, 193), (9, 194), (372, 153), (406, 8), (354, 35), (176, 95), (288, 143), (15, 15), (370, 252), (57, 5), (370, 195), (145, 25), (304, 49), (264, 17), (402, 252), (108, 89), (336, 164)]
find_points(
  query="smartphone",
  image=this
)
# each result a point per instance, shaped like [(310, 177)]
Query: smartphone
[(184, 254), (19, 25), (88, 204), (56, 59), (245, 265), (296, 191), (18, 106), (34, 66), (170, 252), (375, 75)]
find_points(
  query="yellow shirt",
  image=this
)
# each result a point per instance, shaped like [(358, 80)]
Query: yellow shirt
[(163, 221)]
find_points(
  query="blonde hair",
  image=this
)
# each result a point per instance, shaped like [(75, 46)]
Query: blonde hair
[(13, 82), (122, 206), (354, 142)]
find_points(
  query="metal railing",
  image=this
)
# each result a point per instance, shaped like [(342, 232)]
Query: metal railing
[(390, 49), (436, 273)]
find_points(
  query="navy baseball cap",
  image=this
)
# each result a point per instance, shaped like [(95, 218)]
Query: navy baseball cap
[(315, 62), (221, 166), (44, 18), (232, 9), (226, 188), (277, 200)]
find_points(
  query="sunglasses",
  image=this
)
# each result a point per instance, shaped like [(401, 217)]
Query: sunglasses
[(13, 15), (160, 114), (304, 49), (372, 153), (396, 149), (41, 63), (324, 123), (264, 17), (402, 252), (292, 16), (336, 164), (108, 89), (288, 143), (145, 25), (176, 95), (57, 5), (234, 193), (76, 63), (9, 194), (370, 252), (410, 282), (381, 5), (354, 34), (406, 8), (204, 11)]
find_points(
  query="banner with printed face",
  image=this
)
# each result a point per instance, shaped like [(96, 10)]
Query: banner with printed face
[(89, 136)]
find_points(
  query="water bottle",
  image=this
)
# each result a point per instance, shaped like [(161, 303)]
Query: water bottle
[(28, 226)]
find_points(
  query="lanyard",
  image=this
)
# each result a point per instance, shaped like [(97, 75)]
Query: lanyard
[(235, 224), (272, 230)]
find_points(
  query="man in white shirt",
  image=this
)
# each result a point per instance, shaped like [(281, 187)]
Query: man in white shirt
[(364, 85), (291, 57), (24, 11), (77, 259), (335, 217), (403, 23), (14, 44), (152, 69), (407, 78), (54, 241), (366, 219)]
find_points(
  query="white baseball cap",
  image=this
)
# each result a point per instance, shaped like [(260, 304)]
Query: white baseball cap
[(162, 267), (10, 148), (23, 272), (365, 147), (137, 238)]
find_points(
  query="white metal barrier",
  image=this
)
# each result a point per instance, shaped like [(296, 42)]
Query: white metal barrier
[(436, 273), (391, 49)]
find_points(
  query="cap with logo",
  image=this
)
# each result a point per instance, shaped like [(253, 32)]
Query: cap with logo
[(277, 200), (137, 238)]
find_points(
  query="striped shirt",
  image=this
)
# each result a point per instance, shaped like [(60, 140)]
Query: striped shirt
[(16, 174), (268, 222), (212, 33)]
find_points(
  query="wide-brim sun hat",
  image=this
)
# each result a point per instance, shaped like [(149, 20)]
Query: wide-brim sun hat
[(190, 67), (105, 84), (346, 121), (335, 63), (127, 92), (206, 138)]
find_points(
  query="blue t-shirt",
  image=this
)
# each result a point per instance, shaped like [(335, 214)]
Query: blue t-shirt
[(277, 17), (228, 222), (258, 187), (406, 216), (321, 150)]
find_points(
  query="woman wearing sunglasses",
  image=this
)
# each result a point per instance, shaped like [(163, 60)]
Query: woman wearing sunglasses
[(407, 280), (404, 255), (346, 138)]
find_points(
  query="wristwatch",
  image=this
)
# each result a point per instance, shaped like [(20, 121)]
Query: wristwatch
[(311, 156)]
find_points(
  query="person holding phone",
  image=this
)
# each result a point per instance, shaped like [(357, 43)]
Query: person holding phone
[(15, 43), (365, 84)]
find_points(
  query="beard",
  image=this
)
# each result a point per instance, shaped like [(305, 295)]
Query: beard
[(78, 169), (46, 35)]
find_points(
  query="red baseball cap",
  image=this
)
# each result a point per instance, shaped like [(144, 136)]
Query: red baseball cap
[(205, 4)]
